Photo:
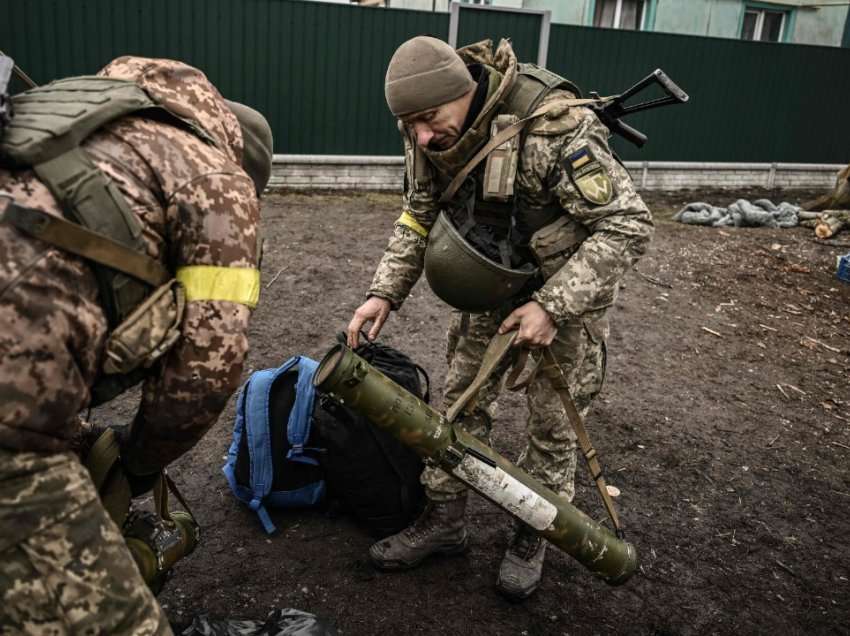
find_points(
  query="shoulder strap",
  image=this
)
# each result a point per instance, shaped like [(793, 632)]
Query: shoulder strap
[(254, 401), (86, 243), (301, 415), (509, 133)]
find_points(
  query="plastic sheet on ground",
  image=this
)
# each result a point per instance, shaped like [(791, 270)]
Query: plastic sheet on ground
[(742, 213), (280, 622)]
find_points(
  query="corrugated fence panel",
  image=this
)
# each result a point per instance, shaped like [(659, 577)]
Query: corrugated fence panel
[(317, 70), (750, 101), (522, 28)]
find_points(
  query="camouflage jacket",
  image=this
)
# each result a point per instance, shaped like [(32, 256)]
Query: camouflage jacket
[(612, 234), (197, 207)]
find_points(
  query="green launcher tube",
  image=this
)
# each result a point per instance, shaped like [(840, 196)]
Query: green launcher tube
[(353, 382)]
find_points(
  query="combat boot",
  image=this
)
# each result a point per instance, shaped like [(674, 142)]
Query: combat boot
[(440, 529), (522, 565)]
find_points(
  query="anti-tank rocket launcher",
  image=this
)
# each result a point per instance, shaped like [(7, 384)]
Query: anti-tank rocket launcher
[(350, 380)]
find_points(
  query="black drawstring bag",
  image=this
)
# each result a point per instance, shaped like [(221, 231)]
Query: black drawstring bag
[(369, 472)]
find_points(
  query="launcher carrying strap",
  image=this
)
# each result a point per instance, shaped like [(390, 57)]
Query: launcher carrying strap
[(499, 346)]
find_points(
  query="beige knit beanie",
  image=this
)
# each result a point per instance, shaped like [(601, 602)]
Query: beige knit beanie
[(425, 72)]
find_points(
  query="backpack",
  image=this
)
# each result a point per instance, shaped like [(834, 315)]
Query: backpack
[(272, 460), (373, 475)]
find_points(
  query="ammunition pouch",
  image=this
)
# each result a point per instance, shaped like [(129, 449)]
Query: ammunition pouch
[(148, 332), (500, 169), (554, 244)]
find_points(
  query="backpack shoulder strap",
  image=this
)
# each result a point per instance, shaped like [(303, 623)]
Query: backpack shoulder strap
[(253, 423), (301, 416)]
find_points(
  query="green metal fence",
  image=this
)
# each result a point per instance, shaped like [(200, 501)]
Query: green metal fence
[(317, 70)]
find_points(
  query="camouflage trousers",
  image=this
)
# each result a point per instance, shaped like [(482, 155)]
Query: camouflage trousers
[(64, 566), (550, 452)]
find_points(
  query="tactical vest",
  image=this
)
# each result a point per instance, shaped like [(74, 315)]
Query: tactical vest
[(500, 226), (45, 134)]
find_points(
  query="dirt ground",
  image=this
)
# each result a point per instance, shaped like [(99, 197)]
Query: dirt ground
[(725, 422)]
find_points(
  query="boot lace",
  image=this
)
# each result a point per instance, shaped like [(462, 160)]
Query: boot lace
[(525, 544)]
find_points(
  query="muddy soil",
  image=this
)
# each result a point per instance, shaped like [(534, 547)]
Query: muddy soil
[(725, 422)]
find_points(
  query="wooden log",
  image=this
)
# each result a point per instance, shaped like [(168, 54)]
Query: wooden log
[(832, 222)]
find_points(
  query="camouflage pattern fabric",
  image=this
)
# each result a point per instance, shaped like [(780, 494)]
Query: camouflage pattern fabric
[(64, 566), (580, 284), (619, 231), (197, 207), (550, 454)]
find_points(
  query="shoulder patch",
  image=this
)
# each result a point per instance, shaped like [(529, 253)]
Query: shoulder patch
[(589, 177)]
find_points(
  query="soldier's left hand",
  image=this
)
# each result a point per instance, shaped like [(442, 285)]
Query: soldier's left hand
[(536, 327)]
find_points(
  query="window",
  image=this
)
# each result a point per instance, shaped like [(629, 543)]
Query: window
[(619, 14), (763, 25)]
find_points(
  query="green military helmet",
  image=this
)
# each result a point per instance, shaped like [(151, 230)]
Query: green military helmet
[(463, 277)]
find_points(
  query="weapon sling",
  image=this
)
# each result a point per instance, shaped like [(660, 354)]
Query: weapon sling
[(496, 351), (508, 133)]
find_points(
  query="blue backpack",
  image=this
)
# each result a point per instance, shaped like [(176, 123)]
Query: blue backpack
[(270, 462)]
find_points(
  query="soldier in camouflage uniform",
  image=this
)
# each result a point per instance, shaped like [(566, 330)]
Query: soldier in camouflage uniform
[(64, 566), (574, 208)]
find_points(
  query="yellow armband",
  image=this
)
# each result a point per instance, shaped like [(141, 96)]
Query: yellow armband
[(407, 220), (236, 284)]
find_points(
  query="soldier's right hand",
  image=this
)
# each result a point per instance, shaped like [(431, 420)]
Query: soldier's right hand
[(374, 310)]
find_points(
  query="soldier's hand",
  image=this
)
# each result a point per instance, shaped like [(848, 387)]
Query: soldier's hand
[(374, 310), (536, 327)]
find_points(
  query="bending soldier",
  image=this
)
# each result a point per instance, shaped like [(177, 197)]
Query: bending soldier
[(148, 155), (535, 237)]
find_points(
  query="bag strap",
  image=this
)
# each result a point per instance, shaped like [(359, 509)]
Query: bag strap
[(301, 415), (256, 430), (81, 241), (508, 133)]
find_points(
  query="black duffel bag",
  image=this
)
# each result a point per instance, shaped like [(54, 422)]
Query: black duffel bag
[(369, 472)]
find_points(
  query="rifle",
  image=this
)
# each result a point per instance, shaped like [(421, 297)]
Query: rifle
[(611, 111)]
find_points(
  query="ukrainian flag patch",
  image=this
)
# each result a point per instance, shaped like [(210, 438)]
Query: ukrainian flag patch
[(589, 177)]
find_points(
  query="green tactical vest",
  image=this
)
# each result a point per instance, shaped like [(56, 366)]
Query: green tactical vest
[(532, 85), (45, 134)]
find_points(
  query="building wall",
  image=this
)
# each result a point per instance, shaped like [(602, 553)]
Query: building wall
[(569, 12), (824, 26), (720, 18)]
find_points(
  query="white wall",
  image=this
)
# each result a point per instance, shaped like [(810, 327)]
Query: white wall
[(824, 26)]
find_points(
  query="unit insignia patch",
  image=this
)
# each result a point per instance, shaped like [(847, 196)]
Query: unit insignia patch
[(589, 177)]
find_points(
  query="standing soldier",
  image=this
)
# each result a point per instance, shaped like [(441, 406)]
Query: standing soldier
[(128, 253), (533, 237)]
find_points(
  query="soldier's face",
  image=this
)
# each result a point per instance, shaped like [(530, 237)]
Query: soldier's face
[(439, 128)]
